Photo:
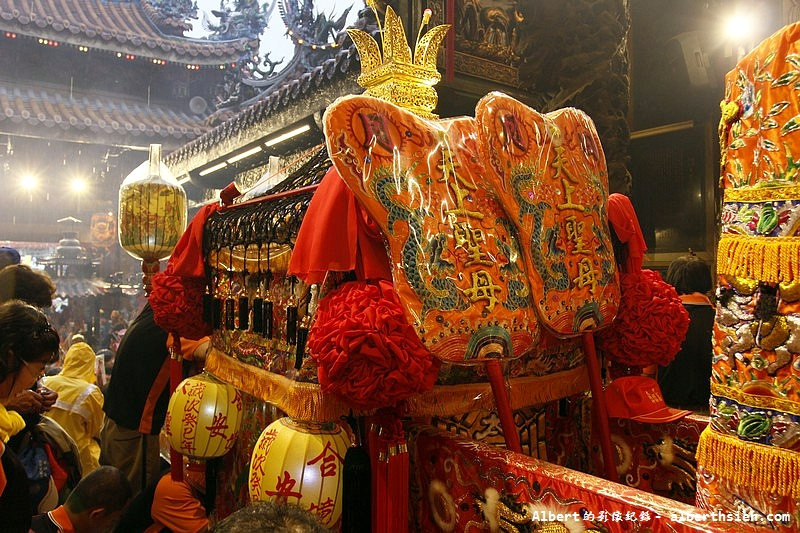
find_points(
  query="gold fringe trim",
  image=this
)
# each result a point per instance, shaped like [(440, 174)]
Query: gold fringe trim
[(297, 399), (754, 400), (306, 400), (763, 194), (769, 259), (449, 400), (765, 468)]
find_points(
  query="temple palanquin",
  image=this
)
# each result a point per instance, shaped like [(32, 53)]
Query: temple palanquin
[(546, 55), (225, 116)]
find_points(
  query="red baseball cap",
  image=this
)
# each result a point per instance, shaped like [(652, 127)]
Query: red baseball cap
[(639, 398)]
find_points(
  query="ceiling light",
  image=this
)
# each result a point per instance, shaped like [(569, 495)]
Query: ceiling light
[(216, 167), (739, 26), (288, 135), (184, 179), (78, 185), (244, 154), (29, 182)]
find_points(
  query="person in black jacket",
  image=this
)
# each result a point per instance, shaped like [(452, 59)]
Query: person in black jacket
[(686, 381), (136, 399)]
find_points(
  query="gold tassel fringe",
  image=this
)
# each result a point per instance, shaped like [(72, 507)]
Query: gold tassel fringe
[(769, 259), (770, 470), (306, 400)]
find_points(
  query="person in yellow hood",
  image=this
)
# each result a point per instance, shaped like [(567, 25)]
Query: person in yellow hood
[(79, 408)]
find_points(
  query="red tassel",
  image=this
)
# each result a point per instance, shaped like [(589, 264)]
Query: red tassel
[(390, 466), (393, 473), (398, 488), (175, 465), (175, 374), (404, 497), (378, 450), (175, 377)]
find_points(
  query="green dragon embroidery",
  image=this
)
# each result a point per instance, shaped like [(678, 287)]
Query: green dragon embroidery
[(519, 294), (418, 252), (555, 277)]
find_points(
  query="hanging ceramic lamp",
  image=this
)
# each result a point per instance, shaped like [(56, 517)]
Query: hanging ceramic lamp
[(152, 213)]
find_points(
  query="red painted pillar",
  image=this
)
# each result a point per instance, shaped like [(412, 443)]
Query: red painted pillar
[(503, 403), (599, 407)]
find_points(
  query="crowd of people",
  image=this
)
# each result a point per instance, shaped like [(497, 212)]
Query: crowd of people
[(81, 454)]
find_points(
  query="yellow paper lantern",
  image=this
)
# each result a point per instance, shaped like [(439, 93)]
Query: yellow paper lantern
[(152, 213), (203, 417), (301, 463)]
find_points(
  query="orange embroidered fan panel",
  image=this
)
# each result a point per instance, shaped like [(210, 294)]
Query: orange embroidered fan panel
[(755, 380), (549, 172), (761, 115), (456, 263)]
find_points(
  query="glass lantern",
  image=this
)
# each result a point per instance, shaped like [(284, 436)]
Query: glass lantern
[(152, 213)]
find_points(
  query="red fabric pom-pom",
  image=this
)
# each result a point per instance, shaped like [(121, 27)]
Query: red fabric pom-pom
[(177, 293), (177, 304), (650, 325), (366, 352)]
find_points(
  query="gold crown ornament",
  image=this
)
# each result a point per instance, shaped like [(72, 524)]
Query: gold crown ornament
[(395, 75)]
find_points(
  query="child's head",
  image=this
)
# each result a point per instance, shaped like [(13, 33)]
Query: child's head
[(689, 274)]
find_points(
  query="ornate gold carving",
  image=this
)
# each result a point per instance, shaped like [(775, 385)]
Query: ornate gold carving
[(486, 69), (753, 400), (762, 194), (488, 62), (395, 75)]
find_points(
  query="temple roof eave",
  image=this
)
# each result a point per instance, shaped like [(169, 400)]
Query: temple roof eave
[(207, 148), (291, 102), (50, 112), (116, 27), (169, 54), (104, 136)]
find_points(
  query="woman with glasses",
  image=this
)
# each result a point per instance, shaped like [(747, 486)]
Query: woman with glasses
[(27, 344)]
